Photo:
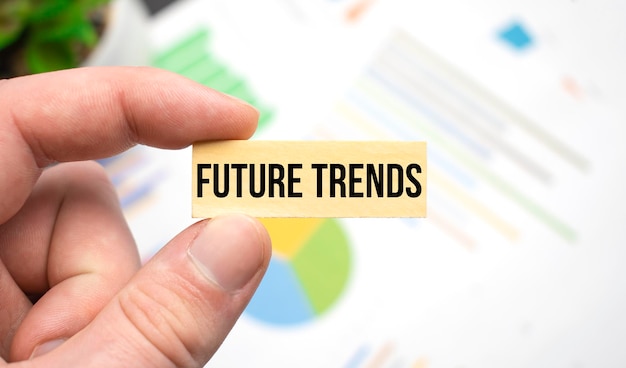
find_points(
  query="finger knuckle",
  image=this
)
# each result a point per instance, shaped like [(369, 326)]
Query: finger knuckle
[(163, 313)]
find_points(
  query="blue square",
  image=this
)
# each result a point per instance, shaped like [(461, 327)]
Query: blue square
[(516, 36)]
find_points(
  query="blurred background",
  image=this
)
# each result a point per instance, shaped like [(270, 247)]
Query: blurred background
[(520, 262)]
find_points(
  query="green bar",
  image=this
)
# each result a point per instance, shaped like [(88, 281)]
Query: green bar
[(564, 230), (222, 81), (184, 53), (242, 91), (203, 69)]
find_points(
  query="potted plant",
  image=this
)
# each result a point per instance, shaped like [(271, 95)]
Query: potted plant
[(38, 36)]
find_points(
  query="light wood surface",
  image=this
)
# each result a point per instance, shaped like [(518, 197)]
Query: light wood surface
[(309, 178)]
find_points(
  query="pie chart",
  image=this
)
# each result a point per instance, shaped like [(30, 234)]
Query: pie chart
[(308, 272)]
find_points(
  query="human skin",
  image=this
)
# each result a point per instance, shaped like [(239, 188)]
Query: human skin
[(64, 242)]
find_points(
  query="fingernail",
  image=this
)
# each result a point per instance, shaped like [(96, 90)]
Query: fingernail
[(229, 250), (46, 347)]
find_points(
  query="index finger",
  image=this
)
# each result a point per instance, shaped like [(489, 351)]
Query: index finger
[(91, 113)]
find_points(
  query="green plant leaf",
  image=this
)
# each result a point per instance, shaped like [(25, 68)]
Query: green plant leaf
[(57, 30), (90, 4), (43, 57), (10, 30), (87, 35), (73, 23), (45, 9), (13, 16), (62, 26)]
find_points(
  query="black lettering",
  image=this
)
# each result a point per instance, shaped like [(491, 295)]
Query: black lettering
[(413, 193), (399, 187), (253, 191), (291, 180), (354, 179), (276, 180), (200, 179), (216, 181), (239, 178), (377, 180), (319, 168), (337, 180)]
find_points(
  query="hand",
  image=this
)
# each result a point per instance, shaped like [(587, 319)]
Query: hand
[(64, 241)]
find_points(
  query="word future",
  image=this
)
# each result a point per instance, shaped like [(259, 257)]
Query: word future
[(310, 179)]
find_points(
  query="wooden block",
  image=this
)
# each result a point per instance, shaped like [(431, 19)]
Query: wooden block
[(309, 178)]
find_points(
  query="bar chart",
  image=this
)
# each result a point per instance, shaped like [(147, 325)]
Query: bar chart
[(518, 262), (192, 58), (477, 144)]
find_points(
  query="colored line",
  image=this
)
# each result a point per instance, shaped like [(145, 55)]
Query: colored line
[(453, 210), (447, 226), (356, 11), (242, 91), (358, 357), (202, 68), (399, 75), (451, 230), (420, 363), (403, 112), (223, 81), (471, 203), (192, 59), (433, 116), (122, 166), (360, 123), (381, 356), (105, 162), (572, 88), (459, 174), (127, 168), (184, 53), (397, 127), (141, 191), (407, 43), (416, 64), (389, 121)]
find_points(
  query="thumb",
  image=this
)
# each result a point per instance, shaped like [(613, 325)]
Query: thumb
[(180, 306)]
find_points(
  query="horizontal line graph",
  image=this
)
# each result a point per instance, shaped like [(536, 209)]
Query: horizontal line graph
[(451, 229), (448, 90), (439, 180), (464, 85), (385, 354), (474, 205), (427, 112), (408, 93), (358, 357), (472, 164), (192, 57), (381, 356), (185, 53), (353, 116), (500, 183), (134, 176), (402, 80)]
